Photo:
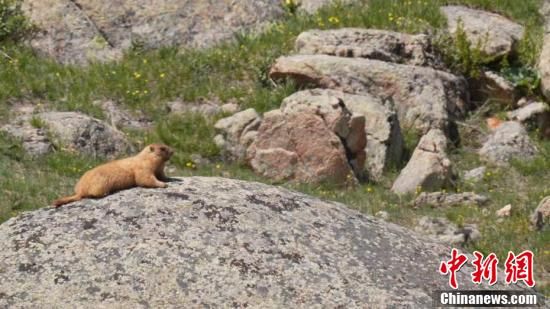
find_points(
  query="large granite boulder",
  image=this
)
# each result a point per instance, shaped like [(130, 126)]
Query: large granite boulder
[(79, 32), (369, 43), (509, 140), (310, 139), (496, 34), (384, 140), (72, 131), (429, 167), (214, 242), (424, 98)]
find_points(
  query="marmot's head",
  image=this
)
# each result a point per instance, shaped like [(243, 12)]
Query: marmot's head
[(161, 151)]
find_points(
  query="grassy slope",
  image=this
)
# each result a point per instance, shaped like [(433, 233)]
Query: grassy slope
[(238, 71)]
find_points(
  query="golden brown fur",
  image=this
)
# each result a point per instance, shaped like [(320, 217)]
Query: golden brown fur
[(146, 169)]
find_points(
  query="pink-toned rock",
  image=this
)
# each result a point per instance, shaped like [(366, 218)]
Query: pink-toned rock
[(309, 142), (303, 138)]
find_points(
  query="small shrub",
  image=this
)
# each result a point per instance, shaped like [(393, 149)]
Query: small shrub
[(460, 55), (13, 24), (37, 122)]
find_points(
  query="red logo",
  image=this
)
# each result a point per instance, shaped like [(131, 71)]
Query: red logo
[(485, 269), (452, 266), (520, 267)]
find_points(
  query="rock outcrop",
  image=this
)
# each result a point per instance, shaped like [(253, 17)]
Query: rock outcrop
[(71, 130), (448, 232), (429, 168), (442, 199), (384, 139), (541, 215), (80, 32), (424, 98), (312, 138), (210, 242), (496, 35), (369, 43), (237, 132), (509, 140)]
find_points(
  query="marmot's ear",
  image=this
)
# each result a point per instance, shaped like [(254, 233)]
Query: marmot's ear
[(151, 148)]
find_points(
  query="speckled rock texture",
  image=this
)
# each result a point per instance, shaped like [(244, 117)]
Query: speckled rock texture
[(507, 141), (424, 98), (84, 31), (214, 242), (82, 133), (448, 232), (33, 139), (442, 199), (496, 34), (41, 132), (369, 43)]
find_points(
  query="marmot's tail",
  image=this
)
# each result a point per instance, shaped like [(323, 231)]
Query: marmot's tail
[(66, 200)]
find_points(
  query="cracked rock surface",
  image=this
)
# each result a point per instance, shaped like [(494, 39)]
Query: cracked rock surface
[(213, 242), (84, 31), (424, 98)]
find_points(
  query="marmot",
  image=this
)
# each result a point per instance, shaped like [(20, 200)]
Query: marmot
[(145, 169)]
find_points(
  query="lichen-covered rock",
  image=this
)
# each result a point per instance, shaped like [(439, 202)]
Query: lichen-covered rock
[(541, 215), (210, 242), (79, 32), (442, 199), (384, 139), (71, 130), (312, 138), (237, 132), (87, 135), (369, 43), (68, 33), (429, 168), (497, 35), (424, 98), (446, 231), (509, 140), (33, 139)]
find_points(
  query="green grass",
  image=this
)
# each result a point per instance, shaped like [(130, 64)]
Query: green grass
[(238, 71)]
